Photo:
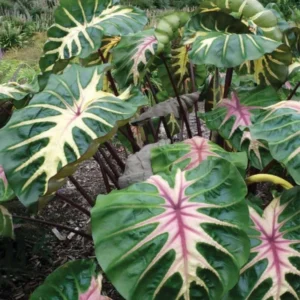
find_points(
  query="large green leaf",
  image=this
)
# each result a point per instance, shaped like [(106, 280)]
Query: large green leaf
[(62, 126), (231, 116), (6, 224), (132, 56), (190, 153), (223, 41), (279, 126), (76, 280), (80, 25), (6, 193), (273, 271), (251, 10), (176, 236)]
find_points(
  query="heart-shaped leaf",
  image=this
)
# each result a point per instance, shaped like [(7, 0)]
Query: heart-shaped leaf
[(190, 154), (223, 41), (76, 280), (176, 236), (6, 193), (62, 126), (6, 224), (273, 271), (279, 126), (80, 25)]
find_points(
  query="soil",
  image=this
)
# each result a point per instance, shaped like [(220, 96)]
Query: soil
[(37, 250)]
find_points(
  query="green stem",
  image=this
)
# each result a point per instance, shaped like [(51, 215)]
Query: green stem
[(269, 178)]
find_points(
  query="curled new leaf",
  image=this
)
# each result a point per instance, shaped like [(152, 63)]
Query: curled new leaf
[(76, 280), (63, 125), (6, 224), (279, 126), (273, 271), (6, 193), (183, 234)]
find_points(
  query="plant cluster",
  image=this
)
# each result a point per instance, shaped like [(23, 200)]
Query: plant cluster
[(184, 221)]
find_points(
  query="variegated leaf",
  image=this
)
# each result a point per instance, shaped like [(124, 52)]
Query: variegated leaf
[(76, 280), (279, 126), (133, 55), (223, 41), (61, 126), (251, 10), (190, 154), (231, 116), (6, 224), (183, 234), (273, 271), (80, 26), (16, 91), (6, 193)]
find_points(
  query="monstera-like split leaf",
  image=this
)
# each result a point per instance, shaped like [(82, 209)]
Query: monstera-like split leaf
[(223, 41), (76, 280), (279, 126), (251, 10), (232, 115), (80, 26), (62, 126), (133, 55), (16, 91), (183, 234), (6, 193), (190, 154), (273, 271), (6, 224)]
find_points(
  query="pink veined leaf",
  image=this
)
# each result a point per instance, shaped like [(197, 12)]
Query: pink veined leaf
[(254, 145), (275, 249), (146, 44), (94, 291), (294, 105), (235, 109), (3, 177), (199, 151)]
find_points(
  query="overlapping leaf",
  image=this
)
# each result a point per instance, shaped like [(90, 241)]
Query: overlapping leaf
[(223, 41), (190, 153), (16, 91), (182, 234), (76, 280), (232, 115), (6, 193), (80, 25), (63, 125), (133, 55), (273, 271), (6, 224), (279, 126)]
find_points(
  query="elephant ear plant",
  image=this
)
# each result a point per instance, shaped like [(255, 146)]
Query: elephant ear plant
[(202, 99)]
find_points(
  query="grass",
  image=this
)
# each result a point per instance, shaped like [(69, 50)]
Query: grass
[(22, 64)]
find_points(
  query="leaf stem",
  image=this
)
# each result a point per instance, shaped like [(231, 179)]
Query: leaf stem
[(82, 191), (294, 91), (52, 224), (109, 162), (228, 81), (182, 110), (269, 178), (115, 155)]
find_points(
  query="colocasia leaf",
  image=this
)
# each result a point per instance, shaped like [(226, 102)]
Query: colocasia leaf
[(16, 91), (183, 234), (279, 126), (6, 224), (273, 271), (6, 193), (75, 280), (80, 26), (63, 125)]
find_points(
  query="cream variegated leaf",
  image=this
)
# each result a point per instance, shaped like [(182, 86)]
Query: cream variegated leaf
[(183, 234), (16, 91), (61, 126)]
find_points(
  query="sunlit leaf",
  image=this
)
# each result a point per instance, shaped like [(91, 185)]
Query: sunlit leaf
[(273, 271), (182, 234), (63, 125), (76, 280), (223, 41), (6, 224), (279, 126)]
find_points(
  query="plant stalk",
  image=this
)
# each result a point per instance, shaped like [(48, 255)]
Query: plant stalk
[(228, 82), (115, 155), (104, 174), (82, 191), (294, 91), (269, 178), (52, 224), (183, 112), (109, 162), (72, 203)]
